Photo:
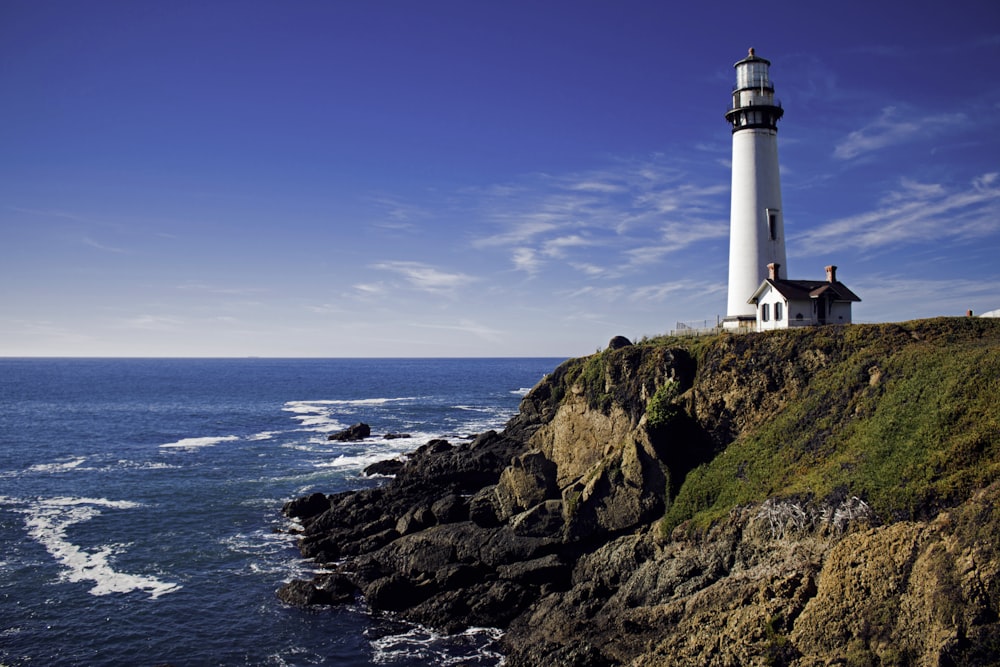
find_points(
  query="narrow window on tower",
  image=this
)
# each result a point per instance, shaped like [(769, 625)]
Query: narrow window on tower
[(772, 225)]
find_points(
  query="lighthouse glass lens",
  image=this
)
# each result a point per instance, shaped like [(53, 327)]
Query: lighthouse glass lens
[(752, 75)]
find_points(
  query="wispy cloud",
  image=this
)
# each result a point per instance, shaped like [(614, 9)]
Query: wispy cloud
[(914, 213), (527, 260), (218, 289), (634, 211), (101, 246), (152, 322), (49, 213), (887, 298), (893, 127), (398, 214), (470, 327), (425, 277)]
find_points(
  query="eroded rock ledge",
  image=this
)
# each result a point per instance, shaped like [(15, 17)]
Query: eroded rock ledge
[(564, 529)]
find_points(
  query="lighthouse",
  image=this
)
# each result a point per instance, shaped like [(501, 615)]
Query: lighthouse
[(756, 225)]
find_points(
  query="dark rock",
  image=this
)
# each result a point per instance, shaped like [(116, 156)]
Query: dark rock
[(499, 603), (460, 575), (527, 481), (307, 507), (326, 589), (416, 518), (396, 436), (618, 342), (389, 467), (543, 520), (358, 431), (450, 509), (483, 510), (396, 593), (547, 570)]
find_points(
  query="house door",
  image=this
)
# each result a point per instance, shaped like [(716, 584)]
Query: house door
[(822, 305)]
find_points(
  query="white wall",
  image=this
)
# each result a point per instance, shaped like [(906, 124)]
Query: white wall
[(756, 187)]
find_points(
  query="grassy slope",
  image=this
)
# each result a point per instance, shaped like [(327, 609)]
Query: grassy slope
[(905, 416)]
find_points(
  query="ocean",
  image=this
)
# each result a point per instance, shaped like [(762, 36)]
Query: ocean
[(140, 503)]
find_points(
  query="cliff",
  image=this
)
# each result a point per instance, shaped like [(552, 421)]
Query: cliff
[(811, 497)]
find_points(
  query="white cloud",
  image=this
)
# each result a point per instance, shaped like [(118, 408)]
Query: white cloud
[(228, 291), (469, 327), (621, 208), (526, 260), (370, 289), (895, 298), (425, 277), (101, 246), (892, 127), (153, 323), (556, 247), (913, 213)]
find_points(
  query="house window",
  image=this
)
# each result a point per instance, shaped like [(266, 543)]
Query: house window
[(765, 312), (777, 312)]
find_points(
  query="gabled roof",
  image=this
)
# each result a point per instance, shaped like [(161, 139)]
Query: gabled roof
[(800, 290)]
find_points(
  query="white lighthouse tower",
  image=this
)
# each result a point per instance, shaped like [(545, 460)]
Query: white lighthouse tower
[(756, 227)]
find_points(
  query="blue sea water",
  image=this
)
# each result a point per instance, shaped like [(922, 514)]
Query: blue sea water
[(140, 502)]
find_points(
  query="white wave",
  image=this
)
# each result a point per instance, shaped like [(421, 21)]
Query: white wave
[(197, 443), (48, 519), (58, 466), (523, 391), (140, 465), (356, 461), (318, 415), (308, 406), (429, 647), (263, 435)]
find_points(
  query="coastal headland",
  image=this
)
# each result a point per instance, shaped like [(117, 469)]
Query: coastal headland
[(804, 497)]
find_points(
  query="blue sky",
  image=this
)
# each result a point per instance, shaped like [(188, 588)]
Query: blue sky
[(471, 178)]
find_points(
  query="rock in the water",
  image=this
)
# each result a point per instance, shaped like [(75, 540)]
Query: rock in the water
[(306, 507), (358, 431), (329, 589), (396, 436), (387, 467)]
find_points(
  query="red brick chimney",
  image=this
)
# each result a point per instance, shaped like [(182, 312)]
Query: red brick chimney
[(831, 274), (772, 270)]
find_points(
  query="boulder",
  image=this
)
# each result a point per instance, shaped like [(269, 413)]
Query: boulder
[(358, 431), (450, 509), (618, 342), (307, 507), (543, 520), (326, 589), (388, 467), (527, 481), (483, 510), (416, 518), (396, 593)]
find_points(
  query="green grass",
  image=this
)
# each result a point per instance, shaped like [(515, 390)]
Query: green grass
[(923, 434)]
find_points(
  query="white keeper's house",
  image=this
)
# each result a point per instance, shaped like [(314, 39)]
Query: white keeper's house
[(783, 303)]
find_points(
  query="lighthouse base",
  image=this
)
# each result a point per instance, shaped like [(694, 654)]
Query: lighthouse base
[(740, 323)]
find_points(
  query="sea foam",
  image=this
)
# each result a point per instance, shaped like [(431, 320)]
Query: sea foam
[(58, 466), (197, 443), (47, 521)]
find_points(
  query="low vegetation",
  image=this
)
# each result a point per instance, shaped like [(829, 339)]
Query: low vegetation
[(904, 416)]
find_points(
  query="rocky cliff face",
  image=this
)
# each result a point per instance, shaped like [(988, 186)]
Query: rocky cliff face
[(793, 498)]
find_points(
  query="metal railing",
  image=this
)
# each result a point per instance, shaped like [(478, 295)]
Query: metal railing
[(697, 328)]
